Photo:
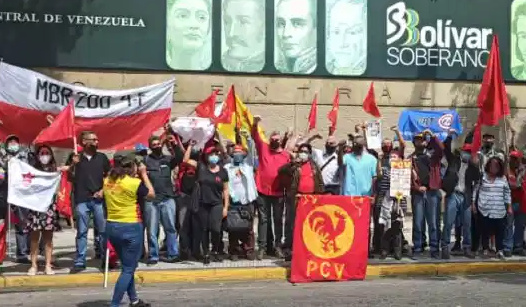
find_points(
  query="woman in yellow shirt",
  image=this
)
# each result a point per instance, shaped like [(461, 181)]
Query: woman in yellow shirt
[(122, 192)]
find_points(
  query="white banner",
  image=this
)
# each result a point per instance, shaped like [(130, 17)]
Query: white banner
[(30, 188), (374, 134), (400, 178), (31, 90), (194, 128)]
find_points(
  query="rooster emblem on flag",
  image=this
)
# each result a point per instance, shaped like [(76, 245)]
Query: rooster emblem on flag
[(328, 232)]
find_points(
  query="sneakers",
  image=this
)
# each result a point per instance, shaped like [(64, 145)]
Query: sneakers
[(32, 271), (152, 262), (77, 269), (260, 254), (251, 255), (206, 259), (234, 257), (140, 303), (469, 254), (383, 255), (436, 255), (501, 256), (279, 253), (445, 254), (507, 254)]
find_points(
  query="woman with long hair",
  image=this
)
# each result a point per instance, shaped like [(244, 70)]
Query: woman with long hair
[(43, 223), (214, 203), (124, 228)]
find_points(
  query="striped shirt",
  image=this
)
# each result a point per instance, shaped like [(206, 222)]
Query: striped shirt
[(493, 197)]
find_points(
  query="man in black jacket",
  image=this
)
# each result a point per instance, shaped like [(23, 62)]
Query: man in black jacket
[(458, 183)]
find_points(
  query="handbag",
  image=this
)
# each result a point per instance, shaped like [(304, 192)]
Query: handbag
[(239, 219)]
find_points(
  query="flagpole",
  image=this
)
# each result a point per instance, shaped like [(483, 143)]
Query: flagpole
[(8, 229)]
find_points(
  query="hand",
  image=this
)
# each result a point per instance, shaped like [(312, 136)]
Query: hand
[(75, 159), (452, 132), (257, 119), (225, 212), (64, 168), (98, 194), (50, 119), (510, 210), (171, 138), (394, 128), (317, 136), (422, 189), (193, 142)]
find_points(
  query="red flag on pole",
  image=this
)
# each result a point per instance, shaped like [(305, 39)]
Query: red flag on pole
[(493, 99), (330, 238), (229, 108), (313, 114), (207, 107), (3, 241), (61, 129), (333, 113), (369, 103), (64, 196)]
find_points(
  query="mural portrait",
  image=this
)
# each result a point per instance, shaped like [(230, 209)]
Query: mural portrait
[(518, 39)]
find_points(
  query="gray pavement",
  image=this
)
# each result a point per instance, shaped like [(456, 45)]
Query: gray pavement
[(486, 290), (64, 253)]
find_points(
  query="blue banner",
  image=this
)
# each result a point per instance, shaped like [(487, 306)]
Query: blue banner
[(412, 122)]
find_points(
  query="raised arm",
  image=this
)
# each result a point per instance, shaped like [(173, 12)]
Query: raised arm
[(400, 137), (188, 151), (260, 145)]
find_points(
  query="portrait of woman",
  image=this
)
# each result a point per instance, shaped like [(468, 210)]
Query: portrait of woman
[(188, 34)]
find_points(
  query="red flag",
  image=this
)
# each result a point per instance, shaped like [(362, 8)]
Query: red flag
[(207, 107), (331, 238), (3, 241), (64, 196), (333, 113), (61, 129), (369, 103), (493, 99), (229, 108), (313, 114)]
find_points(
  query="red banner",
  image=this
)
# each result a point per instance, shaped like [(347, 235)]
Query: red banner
[(331, 238), (64, 196)]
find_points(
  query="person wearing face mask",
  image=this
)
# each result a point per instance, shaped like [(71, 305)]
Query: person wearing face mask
[(488, 150), (14, 149), (327, 161), (458, 182), (43, 223), (162, 209), (271, 157), (87, 172), (302, 176), (213, 205), (243, 194), (515, 223), (426, 183), (360, 169), (384, 183)]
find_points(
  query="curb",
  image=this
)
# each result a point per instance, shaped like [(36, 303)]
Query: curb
[(254, 274)]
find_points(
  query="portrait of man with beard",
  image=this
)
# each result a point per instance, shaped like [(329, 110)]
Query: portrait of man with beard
[(346, 40), (188, 34), (518, 40), (295, 36), (243, 38)]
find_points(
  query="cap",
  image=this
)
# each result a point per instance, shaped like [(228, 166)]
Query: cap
[(239, 148), (418, 136), (467, 147), (124, 157), (516, 154), (210, 149), (140, 147), (12, 137)]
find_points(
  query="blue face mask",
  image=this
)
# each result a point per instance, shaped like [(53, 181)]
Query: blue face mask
[(238, 158), (213, 159), (13, 148)]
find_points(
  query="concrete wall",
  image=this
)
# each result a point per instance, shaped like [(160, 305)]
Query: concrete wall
[(285, 102)]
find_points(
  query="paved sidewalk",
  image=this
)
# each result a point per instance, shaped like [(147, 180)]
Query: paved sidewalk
[(64, 252)]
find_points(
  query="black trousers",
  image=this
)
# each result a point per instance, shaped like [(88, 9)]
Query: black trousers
[(270, 209), (392, 238), (184, 222), (491, 227), (211, 220), (476, 231)]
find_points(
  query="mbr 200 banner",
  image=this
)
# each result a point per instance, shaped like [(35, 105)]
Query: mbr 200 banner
[(121, 118)]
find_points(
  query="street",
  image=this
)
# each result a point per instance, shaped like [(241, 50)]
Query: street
[(482, 290)]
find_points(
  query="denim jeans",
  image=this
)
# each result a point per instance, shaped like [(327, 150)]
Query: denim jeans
[(127, 239), (22, 238), (425, 207), (82, 212), (518, 235), (162, 212), (457, 208), (508, 233)]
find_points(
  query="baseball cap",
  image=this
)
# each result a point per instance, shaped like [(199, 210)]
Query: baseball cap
[(140, 147)]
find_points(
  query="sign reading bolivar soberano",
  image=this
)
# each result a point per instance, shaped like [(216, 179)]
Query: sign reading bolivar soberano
[(412, 39)]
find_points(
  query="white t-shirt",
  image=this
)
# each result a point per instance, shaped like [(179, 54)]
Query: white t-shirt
[(330, 173)]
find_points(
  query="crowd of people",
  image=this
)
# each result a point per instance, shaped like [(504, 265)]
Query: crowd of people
[(197, 194)]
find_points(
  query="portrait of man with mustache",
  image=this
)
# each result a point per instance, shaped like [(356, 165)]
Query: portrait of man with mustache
[(243, 38)]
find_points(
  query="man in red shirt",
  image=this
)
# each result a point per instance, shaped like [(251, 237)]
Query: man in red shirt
[(271, 158), (302, 176)]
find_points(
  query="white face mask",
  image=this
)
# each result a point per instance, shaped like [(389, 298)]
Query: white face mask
[(44, 159), (303, 156)]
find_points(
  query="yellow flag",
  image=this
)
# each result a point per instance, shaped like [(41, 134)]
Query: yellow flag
[(240, 117)]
